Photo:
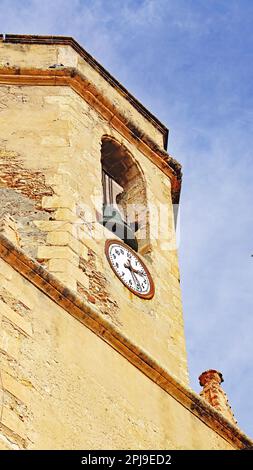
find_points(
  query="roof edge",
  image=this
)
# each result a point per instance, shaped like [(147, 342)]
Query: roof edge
[(69, 41)]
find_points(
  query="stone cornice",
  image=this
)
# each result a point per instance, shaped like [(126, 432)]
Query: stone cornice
[(69, 41), (89, 316), (68, 76)]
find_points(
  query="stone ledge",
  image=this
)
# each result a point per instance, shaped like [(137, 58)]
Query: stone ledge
[(90, 317)]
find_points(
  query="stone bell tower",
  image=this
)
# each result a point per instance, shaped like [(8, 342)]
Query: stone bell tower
[(87, 360)]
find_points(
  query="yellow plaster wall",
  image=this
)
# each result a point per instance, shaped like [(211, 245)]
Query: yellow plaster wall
[(65, 388), (54, 134)]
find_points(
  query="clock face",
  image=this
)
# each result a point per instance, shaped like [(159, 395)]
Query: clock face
[(129, 268)]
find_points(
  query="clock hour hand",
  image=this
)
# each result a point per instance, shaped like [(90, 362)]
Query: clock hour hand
[(128, 266)]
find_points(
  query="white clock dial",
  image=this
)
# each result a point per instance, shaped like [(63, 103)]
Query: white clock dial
[(130, 269)]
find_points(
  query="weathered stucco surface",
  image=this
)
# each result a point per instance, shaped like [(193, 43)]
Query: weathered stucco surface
[(51, 138), (65, 388)]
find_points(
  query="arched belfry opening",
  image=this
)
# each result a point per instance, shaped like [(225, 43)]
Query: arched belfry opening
[(124, 194)]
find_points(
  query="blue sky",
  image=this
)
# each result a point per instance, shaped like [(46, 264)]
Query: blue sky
[(189, 62)]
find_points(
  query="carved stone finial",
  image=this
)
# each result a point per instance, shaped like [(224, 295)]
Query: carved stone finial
[(213, 393)]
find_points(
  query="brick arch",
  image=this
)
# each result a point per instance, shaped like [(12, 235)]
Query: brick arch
[(118, 162)]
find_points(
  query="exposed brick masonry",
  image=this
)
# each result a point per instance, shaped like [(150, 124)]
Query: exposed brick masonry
[(28, 182), (21, 192), (212, 392)]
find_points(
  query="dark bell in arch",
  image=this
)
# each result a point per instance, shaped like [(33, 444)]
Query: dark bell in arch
[(113, 221)]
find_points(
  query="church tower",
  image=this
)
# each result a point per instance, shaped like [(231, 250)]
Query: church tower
[(92, 347)]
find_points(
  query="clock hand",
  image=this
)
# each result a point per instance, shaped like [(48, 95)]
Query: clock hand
[(133, 271), (135, 279), (138, 272), (128, 266)]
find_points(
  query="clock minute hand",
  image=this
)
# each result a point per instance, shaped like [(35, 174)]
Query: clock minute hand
[(135, 279), (132, 271), (138, 272)]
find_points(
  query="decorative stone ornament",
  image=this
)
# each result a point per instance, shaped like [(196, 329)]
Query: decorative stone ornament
[(212, 392), (130, 269)]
